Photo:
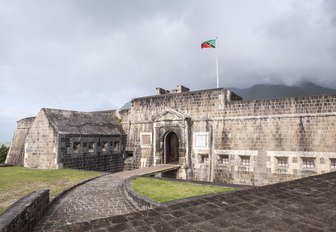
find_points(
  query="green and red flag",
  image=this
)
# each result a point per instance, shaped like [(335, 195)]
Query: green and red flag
[(209, 44)]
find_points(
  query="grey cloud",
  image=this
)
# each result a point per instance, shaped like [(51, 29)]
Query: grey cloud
[(89, 55)]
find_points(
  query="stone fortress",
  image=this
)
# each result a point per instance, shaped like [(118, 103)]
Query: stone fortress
[(214, 135)]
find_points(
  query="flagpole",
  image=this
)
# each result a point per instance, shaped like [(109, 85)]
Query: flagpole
[(217, 63)]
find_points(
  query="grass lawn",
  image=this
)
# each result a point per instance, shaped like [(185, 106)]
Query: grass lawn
[(165, 190), (16, 182)]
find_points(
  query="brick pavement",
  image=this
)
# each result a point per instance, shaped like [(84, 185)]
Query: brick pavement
[(100, 198), (302, 205)]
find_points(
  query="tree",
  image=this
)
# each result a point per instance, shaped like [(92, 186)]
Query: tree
[(3, 153)]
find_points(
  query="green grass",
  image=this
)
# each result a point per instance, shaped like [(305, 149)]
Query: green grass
[(165, 190), (16, 182)]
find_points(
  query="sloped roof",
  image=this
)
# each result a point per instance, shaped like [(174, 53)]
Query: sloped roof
[(75, 122)]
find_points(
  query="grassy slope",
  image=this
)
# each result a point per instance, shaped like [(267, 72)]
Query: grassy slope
[(163, 190), (16, 182)]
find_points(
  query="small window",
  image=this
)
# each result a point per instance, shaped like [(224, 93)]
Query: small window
[(84, 144), (116, 146), (223, 159), (308, 162), (76, 147), (91, 147), (129, 154), (204, 158), (245, 160), (333, 164), (282, 161), (294, 160), (104, 146)]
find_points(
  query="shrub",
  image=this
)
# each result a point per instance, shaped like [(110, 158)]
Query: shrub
[(3, 153)]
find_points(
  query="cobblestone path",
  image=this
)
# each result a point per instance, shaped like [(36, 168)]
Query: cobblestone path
[(99, 198)]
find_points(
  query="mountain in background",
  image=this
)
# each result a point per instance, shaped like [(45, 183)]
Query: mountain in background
[(269, 91)]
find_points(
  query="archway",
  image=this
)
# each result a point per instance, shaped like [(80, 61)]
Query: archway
[(171, 148)]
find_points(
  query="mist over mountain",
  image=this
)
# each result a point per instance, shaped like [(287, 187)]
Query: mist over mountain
[(269, 91)]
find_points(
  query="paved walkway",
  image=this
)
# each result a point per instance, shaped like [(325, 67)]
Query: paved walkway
[(302, 205), (99, 198)]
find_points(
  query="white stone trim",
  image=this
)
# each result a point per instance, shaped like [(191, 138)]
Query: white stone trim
[(197, 139), (277, 116), (150, 137), (311, 154), (319, 167), (237, 152), (235, 157)]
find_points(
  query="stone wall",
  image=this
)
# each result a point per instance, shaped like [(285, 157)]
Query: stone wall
[(41, 144), (24, 214), (16, 152), (92, 152), (145, 111), (283, 106), (225, 139), (269, 141), (197, 104)]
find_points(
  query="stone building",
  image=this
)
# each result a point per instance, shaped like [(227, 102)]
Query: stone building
[(70, 139), (214, 135)]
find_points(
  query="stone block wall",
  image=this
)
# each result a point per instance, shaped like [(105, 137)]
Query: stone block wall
[(41, 144), (140, 119), (294, 139), (16, 152), (283, 106), (24, 214), (197, 104), (252, 142), (92, 152)]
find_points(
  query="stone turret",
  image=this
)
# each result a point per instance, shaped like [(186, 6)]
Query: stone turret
[(16, 152)]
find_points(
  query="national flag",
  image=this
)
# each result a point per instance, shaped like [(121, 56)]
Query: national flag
[(209, 44)]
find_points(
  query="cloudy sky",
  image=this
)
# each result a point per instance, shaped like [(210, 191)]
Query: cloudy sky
[(98, 54)]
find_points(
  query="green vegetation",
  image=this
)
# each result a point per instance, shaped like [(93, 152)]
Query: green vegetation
[(3, 153), (117, 120), (16, 182), (165, 190)]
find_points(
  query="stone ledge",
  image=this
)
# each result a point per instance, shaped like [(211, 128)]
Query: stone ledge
[(146, 203), (25, 213), (22, 215), (142, 202)]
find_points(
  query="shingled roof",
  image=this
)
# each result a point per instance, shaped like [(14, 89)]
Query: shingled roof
[(75, 122)]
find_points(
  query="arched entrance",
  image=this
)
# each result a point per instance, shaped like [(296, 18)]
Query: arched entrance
[(171, 148)]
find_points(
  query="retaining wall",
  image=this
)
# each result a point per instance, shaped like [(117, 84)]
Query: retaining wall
[(24, 214)]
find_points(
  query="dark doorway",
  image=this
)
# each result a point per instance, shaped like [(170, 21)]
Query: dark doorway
[(171, 148)]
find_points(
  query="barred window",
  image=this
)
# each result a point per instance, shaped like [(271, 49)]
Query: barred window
[(282, 161), (245, 160), (204, 158), (76, 147), (91, 147), (308, 162), (333, 164), (104, 146), (223, 159), (116, 145)]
